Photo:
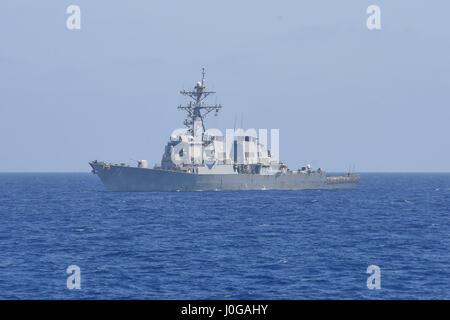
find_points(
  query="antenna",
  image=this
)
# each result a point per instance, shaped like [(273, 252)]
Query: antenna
[(203, 76), (196, 109)]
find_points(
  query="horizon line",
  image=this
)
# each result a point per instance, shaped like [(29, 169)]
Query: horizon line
[(356, 172)]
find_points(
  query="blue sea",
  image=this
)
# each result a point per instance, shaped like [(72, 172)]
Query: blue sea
[(224, 245)]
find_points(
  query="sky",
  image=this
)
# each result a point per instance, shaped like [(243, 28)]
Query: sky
[(341, 95)]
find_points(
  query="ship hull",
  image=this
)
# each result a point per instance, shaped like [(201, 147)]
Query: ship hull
[(125, 178)]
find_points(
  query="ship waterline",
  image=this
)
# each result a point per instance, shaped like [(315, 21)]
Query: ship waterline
[(127, 178)]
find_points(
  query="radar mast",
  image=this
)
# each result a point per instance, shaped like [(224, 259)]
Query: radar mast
[(196, 109)]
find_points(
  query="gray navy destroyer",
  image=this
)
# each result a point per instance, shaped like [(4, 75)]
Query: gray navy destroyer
[(196, 159)]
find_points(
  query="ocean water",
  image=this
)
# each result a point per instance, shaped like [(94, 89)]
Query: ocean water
[(224, 245)]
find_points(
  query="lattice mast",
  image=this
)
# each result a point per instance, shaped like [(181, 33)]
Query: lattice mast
[(197, 110)]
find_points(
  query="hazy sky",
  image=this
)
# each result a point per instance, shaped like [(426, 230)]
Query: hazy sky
[(340, 94)]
